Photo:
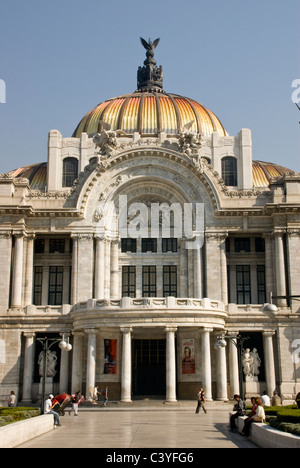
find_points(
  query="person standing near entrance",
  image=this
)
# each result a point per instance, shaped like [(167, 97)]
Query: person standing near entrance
[(201, 401)]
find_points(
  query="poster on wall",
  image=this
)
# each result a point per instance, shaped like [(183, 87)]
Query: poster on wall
[(188, 356), (110, 356)]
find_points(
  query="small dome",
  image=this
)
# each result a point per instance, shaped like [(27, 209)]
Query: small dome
[(150, 114), (36, 174), (263, 172)]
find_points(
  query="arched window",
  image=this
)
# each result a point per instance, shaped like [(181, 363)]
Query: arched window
[(70, 172), (229, 171)]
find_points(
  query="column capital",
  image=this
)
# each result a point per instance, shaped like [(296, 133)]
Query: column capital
[(29, 334), (91, 331), (77, 333), (269, 332), (171, 329), (126, 330), (206, 330)]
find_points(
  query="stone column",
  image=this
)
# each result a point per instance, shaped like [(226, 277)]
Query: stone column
[(64, 369), (223, 266), (29, 270), (107, 269), (183, 270), (28, 366), (74, 279), (213, 267), (222, 394), (114, 270), (99, 268), (269, 361), (171, 365), (280, 268), (5, 258), (91, 362), (198, 290), (294, 266), (17, 275), (77, 363), (269, 260), (206, 363), (233, 365), (126, 366)]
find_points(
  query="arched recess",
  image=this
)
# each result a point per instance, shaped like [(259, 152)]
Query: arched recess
[(171, 170)]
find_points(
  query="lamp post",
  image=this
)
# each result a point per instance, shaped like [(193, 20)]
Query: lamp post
[(47, 344), (238, 342), (272, 307)]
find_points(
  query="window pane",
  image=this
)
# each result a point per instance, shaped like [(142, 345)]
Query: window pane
[(38, 286), (170, 281), (149, 281), (70, 172), (229, 171), (56, 276), (243, 284), (128, 281)]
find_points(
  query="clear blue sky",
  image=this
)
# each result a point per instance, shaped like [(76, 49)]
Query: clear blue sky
[(60, 58)]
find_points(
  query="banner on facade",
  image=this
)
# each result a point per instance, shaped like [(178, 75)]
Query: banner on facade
[(110, 356), (188, 356)]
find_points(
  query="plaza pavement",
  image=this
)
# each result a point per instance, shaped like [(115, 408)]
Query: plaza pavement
[(144, 425)]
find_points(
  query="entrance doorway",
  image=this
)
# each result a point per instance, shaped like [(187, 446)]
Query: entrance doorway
[(149, 367)]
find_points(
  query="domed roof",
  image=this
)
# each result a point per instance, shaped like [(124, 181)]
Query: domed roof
[(263, 172), (150, 110), (150, 113), (35, 173)]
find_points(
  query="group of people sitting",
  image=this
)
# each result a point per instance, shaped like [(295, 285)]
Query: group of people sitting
[(257, 413)]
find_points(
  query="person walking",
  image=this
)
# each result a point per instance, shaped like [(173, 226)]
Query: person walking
[(12, 401), (105, 394), (75, 403), (201, 401)]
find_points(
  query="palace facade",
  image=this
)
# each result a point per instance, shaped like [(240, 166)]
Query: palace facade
[(144, 311)]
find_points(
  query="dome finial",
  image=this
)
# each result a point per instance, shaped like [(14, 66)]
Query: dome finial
[(150, 77)]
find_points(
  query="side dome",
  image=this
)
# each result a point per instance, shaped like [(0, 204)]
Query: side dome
[(35, 173), (150, 113), (263, 172)]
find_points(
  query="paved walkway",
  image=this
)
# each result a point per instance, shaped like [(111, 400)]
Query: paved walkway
[(144, 427)]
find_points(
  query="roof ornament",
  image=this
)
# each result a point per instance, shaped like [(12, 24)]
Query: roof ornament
[(150, 77)]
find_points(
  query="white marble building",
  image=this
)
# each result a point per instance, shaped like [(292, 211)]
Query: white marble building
[(143, 314)]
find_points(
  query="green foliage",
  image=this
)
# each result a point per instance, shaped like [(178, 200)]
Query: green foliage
[(286, 427), (11, 415)]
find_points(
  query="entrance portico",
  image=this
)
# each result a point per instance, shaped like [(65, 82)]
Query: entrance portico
[(151, 342)]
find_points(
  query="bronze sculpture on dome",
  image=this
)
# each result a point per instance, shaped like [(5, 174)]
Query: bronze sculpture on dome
[(150, 77)]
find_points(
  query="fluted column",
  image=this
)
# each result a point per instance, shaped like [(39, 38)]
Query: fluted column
[(77, 362), (91, 362), (99, 268), (17, 275), (28, 366), (74, 279), (280, 268), (29, 270), (114, 270), (233, 364), (206, 363), (171, 365), (198, 290), (64, 369), (126, 365), (222, 394), (269, 361)]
